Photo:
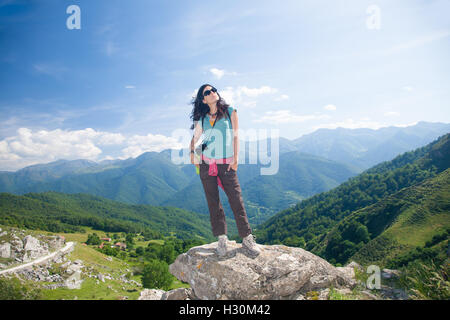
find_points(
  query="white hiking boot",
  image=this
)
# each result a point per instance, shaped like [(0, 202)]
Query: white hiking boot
[(222, 245), (250, 245)]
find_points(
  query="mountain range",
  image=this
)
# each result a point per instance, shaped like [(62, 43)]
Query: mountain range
[(391, 214), (309, 165)]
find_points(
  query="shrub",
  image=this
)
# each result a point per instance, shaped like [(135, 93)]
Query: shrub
[(156, 275)]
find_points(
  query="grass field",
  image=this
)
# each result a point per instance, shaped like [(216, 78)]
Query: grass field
[(113, 270), (94, 289)]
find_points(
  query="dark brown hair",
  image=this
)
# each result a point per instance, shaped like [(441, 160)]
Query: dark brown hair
[(200, 109)]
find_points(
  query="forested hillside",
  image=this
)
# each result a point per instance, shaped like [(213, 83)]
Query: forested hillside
[(57, 212), (309, 222)]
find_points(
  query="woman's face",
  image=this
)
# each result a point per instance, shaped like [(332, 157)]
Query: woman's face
[(211, 98)]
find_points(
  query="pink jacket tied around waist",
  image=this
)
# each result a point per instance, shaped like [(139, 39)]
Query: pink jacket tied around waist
[(213, 166)]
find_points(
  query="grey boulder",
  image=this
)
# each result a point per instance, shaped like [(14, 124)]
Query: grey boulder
[(279, 272)]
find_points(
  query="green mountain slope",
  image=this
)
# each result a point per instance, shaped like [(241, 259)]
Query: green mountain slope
[(57, 212), (147, 179), (309, 221), (392, 227)]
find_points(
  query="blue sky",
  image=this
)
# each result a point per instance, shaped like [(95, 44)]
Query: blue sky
[(121, 85)]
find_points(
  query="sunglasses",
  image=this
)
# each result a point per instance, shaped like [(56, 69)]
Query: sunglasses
[(208, 92)]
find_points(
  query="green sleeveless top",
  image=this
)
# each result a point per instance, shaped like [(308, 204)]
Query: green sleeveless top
[(220, 142)]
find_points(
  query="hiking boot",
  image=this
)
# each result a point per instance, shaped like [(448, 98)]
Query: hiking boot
[(250, 245), (222, 245)]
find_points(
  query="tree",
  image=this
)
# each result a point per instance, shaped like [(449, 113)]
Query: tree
[(362, 234), (156, 275), (167, 253), (93, 239), (129, 239), (355, 232), (295, 241), (110, 251), (139, 251)]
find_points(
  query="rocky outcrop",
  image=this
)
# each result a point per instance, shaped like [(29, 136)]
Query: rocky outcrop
[(175, 294), (178, 294), (36, 254), (43, 270), (151, 294), (33, 249), (16, 246), (279, 272), (5, 250)]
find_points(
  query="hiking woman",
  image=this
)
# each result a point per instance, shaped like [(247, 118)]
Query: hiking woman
[(218, 163)]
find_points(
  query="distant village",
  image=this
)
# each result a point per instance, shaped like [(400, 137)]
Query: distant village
[(108, 241)]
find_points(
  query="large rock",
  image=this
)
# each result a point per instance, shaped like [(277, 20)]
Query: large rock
[(33, 249), (56, 242), (5, 250), (279, 272), (74, 281), (177, 294), (151, 294), (16, 248)]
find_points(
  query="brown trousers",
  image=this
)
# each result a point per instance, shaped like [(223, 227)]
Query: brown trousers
[(233, 191)]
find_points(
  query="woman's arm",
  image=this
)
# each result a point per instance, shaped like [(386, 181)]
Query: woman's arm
[(197, 134)]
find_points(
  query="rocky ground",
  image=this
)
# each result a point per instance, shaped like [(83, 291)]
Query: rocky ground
[(19, 247), (279, 272)]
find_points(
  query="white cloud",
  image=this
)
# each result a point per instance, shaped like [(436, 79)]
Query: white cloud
[(30, 147), (286, 116), (129, 87), (352, 124), (244, 95), (229, 95), (255, 92), (140, 144), (43, 146), (330, 107), (217, 72), (407, 125), (282, 97)]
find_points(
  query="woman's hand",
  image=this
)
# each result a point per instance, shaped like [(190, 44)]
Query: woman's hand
[(233, 165), (193, 161)]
